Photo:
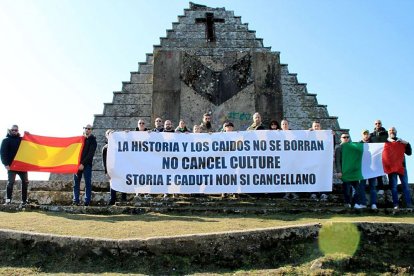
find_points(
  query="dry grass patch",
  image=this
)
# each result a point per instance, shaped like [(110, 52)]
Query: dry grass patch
[(159, 225)]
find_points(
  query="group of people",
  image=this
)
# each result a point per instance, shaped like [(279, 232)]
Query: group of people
[(354, 191)]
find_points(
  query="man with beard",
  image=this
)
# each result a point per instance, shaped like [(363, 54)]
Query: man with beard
[(168, 126), (9, 148), (205, 126), (405, 148)]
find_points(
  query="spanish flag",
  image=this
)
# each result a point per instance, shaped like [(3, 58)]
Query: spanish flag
[(48, 154)]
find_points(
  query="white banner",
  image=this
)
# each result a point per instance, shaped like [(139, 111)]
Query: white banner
[(234, 162)]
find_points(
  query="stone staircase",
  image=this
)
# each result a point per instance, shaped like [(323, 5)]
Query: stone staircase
[(57, 196)]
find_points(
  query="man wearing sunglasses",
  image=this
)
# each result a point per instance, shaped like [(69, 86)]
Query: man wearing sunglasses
[(9, 148), (347, 186), (85, 167), (379, 135)]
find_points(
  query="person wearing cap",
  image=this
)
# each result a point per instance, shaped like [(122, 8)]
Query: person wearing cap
[(85, 167), (372, 182), (228, 127), (9, 147)]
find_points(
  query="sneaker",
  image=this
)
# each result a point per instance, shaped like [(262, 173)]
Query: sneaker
[(374, 207), (324, 197), (7, 202), (359, 206), (23, 204), (396, 207), (347, 205), (314, 197), (86, 204), (74, 203)]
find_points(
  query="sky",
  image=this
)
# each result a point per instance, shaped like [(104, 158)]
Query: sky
[(60, 61)]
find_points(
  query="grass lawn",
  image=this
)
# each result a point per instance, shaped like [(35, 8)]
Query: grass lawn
[(159, 225)]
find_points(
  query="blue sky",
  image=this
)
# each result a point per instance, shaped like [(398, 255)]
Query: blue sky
[(61, 60)]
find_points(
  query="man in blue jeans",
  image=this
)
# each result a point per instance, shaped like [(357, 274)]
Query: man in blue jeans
[(85, 167), (392, 138), (9, 147)]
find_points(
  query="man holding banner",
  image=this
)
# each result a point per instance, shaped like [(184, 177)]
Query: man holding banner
[(9, 148)]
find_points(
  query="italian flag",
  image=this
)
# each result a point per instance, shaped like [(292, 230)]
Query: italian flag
[(48, 154), (367, 160)]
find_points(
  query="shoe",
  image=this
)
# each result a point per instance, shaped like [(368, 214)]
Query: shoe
[(147, 196), (374, 207), (347, 205), (359, 206), (324, 197), (23, 204), (111, 203), (396, 207), (74, 203), (7, 202), (86, 204), (314, 197)]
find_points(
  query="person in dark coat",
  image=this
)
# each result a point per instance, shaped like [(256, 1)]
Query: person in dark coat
[(379, 135), (85, 167), (9, 147)]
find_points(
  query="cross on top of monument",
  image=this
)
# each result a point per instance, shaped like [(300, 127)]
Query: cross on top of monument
[(209, 21)]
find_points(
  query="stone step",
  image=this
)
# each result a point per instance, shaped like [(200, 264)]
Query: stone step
[(200, 28), (207, 51), (158, 205), (60, 193), (201, 35), (137, 77), (219, 43)]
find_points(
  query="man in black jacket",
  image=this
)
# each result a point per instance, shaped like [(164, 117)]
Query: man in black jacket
[(85, 167), (379, 135), (9, 148)]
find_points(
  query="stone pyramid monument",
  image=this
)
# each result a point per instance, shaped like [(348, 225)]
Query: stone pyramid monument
[(209, 62)]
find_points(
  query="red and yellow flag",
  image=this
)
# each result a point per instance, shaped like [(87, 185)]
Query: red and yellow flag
[(48, 154)]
